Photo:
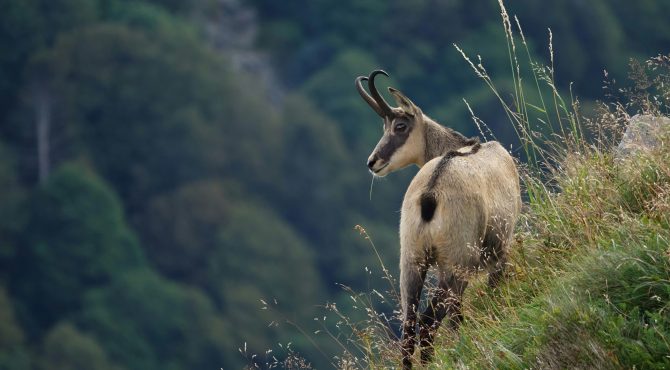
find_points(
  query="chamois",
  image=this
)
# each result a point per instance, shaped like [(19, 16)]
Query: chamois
[(458, 214)]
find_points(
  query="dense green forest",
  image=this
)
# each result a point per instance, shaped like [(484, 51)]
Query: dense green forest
[(182, 179)]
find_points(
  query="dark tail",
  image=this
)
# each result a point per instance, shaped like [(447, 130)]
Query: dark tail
[(428, 205)]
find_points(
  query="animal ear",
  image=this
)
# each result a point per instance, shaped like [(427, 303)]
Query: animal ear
[(403, 102)]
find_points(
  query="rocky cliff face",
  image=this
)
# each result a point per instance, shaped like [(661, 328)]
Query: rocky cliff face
[(232, 27), (644, 133)]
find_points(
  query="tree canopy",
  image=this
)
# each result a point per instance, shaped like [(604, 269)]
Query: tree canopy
[(180, 178)]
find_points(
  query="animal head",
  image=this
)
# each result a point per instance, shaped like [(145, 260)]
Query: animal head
[(402, 141)]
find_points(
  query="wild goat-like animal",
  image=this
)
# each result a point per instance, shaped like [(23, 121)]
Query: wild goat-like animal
[(458, 213)]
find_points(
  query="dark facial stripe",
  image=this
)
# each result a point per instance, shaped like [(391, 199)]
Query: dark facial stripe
[(392, 144), (393, 141)]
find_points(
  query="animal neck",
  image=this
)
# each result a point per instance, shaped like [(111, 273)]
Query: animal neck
[(439, 140)]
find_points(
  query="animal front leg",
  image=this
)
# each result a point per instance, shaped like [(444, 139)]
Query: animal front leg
[(446, 301), (411, 284)]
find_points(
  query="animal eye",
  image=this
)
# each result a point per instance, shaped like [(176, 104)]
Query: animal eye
[(400, 127)]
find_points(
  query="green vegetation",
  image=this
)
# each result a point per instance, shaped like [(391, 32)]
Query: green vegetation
[(588, 284), (78, 241), (164, 204)]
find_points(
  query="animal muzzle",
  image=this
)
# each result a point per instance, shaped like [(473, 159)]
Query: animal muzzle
[(376, 164)]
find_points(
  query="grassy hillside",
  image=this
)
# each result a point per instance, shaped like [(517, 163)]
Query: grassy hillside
[(588, 284)]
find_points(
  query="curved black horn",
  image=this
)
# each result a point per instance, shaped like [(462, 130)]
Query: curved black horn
[(384, 107), (364, 94)]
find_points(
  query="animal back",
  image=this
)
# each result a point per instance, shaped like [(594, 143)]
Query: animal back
[(428, 198)]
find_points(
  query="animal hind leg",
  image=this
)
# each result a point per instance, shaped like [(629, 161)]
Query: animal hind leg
[(498, 272), (494, 252), (446, 301), (411, 284)]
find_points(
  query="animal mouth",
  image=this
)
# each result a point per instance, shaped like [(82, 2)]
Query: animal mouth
[(381, 168)]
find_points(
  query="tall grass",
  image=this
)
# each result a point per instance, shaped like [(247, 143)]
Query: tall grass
[(588, 282)]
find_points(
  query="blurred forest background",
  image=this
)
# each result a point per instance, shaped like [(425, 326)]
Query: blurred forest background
[(167, 164)]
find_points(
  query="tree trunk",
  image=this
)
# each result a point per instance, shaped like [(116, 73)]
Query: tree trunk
[(43, 126)]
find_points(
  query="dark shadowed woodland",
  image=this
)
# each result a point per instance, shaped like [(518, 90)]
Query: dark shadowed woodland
[(182, 180)]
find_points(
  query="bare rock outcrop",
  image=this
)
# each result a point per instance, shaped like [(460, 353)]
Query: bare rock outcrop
[(643, 134), (232, 27)]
